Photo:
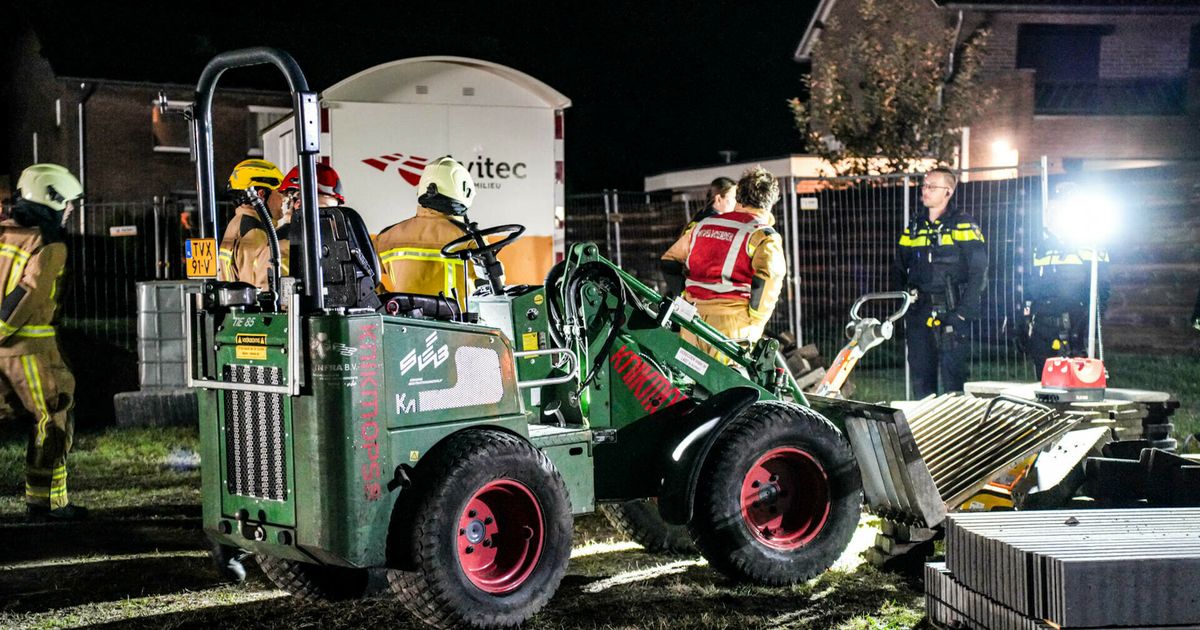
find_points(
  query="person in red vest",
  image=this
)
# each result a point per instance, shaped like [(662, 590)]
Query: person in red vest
[(735, 265)]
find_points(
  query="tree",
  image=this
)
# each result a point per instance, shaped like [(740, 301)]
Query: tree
[(891, 91)]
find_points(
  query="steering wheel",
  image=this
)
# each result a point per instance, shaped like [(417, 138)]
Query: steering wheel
[(474, 243)]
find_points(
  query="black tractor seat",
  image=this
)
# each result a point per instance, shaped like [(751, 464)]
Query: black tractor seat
[(421, 305)]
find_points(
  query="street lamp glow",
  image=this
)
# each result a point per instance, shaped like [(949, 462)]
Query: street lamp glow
[(1084, 218)]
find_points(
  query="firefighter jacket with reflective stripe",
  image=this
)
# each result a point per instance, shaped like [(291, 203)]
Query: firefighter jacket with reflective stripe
[(737, 256), (1063, 274), (411, 259), (31, 269), (245, 249), (943, 256)]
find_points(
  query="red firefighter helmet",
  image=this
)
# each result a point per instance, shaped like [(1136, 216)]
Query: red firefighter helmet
[(328, 182)]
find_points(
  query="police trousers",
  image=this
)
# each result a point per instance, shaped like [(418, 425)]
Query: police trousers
[(1058, 329), (933, 352), (40, 388)]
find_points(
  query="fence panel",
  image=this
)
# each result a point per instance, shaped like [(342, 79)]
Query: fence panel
[(840, 239)]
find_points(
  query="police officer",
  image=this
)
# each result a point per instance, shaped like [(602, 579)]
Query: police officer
[(410, 251), (722, 198), (1058, 293), (245, 248), (735, 265), (33, 377), (943, 258)]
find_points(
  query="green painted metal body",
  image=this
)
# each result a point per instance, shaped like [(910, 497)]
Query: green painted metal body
[(379, 392)]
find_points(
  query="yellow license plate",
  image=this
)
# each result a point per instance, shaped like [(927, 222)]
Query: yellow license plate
[(201, 257)]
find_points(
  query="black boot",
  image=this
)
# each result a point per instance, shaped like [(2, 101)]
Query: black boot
[(67, 513)]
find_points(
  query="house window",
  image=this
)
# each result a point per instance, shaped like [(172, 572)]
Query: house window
[(1068, 82), (1059, 52), (170, 130), (260, 117)]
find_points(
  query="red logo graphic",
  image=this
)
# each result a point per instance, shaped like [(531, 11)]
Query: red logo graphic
[(409, 166)]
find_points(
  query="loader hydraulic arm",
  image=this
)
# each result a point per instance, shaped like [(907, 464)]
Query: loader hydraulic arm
[(763, 364)]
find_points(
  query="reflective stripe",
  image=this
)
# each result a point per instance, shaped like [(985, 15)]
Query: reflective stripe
[(420, 254), (1077, 257), (922, 238), (34, 381), (970, 234), (26, 331), (35, 331), (20, 259)]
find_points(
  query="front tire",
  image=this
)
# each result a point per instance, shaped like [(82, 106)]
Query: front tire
[(489, 536), (779, 496)]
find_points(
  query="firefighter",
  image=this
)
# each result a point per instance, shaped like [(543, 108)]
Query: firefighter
[(722, 197), (735, 265), (1059, 290), (329, 194), (33, 377), (410, 251), (942, 257), (241, 254)]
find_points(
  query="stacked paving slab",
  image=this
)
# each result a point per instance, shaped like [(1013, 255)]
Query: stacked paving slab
[(1068, 570)]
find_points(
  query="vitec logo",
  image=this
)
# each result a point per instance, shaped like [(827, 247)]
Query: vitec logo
[(485, 170)]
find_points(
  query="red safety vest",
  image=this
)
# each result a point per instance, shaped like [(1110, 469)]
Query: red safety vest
[(719, 261)]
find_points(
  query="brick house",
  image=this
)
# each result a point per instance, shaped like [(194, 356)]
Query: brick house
[(1089, 83), (109, 131)]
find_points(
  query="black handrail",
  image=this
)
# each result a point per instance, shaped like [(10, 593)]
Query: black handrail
[(305, 109)]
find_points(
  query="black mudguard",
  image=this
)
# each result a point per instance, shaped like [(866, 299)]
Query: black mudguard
[(700, 429)]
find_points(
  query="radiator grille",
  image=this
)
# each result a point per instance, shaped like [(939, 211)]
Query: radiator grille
[(254, 443)]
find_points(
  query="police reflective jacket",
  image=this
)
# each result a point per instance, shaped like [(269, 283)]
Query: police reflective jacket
[(935, 257), (411, 259), (30, 269), (1063, 274), (737, 256), (243, 253)]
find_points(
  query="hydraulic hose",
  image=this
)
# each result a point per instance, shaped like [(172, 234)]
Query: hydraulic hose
[(574, 292), (273, 242)]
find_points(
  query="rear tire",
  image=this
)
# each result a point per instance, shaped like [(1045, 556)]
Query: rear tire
[(315, 582), (779, 496), (641, 522), (489, 534)]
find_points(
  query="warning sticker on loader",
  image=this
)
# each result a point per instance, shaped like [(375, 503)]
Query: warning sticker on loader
[(692, 361), (200, 257)]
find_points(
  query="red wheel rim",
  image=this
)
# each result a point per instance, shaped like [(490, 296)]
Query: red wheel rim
[(500, 536), (785, 498)]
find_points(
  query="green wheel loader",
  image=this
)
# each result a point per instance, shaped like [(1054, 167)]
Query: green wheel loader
[(343, 431)]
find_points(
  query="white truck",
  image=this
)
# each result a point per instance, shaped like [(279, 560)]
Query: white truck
[(380, 127)]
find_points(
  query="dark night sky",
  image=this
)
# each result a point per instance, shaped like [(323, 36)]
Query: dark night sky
[(654, 85)]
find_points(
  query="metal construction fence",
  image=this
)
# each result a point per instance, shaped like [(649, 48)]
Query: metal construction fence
[(111, 247), (840, 239)]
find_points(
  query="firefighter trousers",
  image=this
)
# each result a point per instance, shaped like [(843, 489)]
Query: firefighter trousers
[(933, 352), (730, 317), (40, 387)]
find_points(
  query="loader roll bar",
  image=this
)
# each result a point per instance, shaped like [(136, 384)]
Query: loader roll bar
[(306, 110)]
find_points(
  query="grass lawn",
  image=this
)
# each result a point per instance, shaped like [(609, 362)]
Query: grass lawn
[(141, 562)]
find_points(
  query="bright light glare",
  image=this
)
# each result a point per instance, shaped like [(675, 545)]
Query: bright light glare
[(1084, 218)]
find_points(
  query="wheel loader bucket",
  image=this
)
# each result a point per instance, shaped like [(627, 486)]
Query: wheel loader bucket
[(920, 461), (896, 482)]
